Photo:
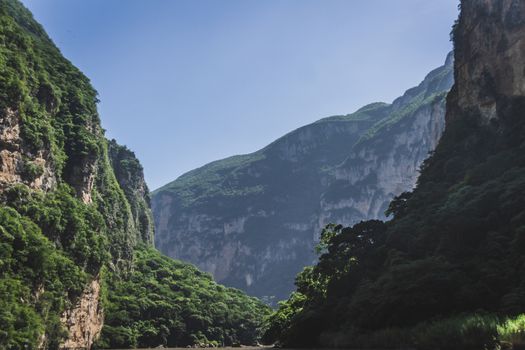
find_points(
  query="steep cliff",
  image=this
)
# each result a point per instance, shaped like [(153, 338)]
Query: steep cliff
[(448, 270), (64, 214), (386, 159), (253, 220), (75, 223), (130, 176)]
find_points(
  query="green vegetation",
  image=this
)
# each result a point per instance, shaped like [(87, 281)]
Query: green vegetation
[(206, 181), (410, 110), (37, 282), (92, 222), (78, 229), (54, 101), (462, 332), (129, 174), (52, 243), (372, 112), (209, 181), (447, 272), (513, 331), (271, 197), (170, 303)]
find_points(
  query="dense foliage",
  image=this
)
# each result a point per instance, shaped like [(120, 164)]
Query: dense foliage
[(129, 174), (52, 242), (448, 271), (170, 303), (54, 100), (74, 207), (29, 262), (51, 246)]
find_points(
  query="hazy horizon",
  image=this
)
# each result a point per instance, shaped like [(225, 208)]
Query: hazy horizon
[(191, 82)]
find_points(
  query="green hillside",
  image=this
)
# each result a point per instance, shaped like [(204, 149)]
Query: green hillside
[(75, 213)]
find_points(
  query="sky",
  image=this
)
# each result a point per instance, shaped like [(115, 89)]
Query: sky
[(186, 82)]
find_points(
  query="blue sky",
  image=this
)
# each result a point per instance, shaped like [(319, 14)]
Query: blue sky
[(186, 82)]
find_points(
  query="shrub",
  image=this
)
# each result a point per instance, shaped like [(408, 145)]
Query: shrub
[(513, 331)]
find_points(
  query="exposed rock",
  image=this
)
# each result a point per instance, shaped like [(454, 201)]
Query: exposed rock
[(489, 68), (85, 320), (130, 176), (452, 253), (382, 167), (17, 164), (82, 177), (253, 220), (52, 142)]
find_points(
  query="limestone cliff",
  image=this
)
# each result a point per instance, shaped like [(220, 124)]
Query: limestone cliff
[(85, 320), (66, 214), (253, 220), (130, 176), (489, 70), (385, 162), (448, 271), (77, 265), (17, 163)]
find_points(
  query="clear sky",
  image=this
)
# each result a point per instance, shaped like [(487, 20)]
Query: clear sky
[(186, 82)]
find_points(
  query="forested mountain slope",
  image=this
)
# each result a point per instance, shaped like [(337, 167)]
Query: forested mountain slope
[(75, 223), (447, 272), (253, 220)]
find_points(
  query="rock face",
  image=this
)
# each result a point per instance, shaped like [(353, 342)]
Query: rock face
[(454, 251), (77, 264), (130, 176), (493, 68), (385, 162), (77, 194), (253, 220), (17, 163), (85, 320)]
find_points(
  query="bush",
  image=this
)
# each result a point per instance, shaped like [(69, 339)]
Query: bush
[(513, 331), (470, 332)]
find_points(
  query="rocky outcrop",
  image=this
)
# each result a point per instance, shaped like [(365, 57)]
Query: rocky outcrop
[(489, 69), (382, 166), (17, 163), (81, 175), (130, 176), (253, 220), (77, 266), (453, 252), (88, 210), (84, 321)]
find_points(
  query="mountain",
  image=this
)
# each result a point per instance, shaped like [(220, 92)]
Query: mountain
[(253, 220), (76, 258), (448, 271)]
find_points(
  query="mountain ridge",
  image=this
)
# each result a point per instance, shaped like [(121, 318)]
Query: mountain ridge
[(278, 192), (446, 272)]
